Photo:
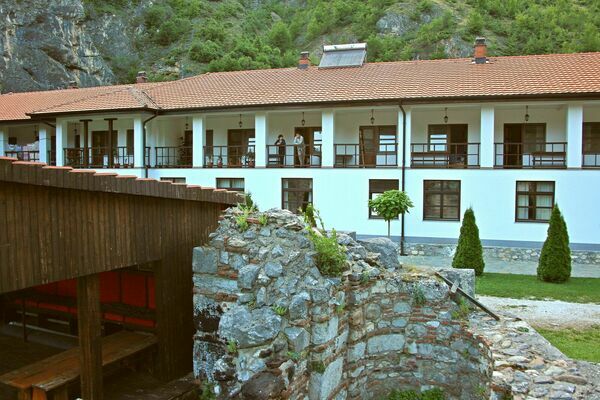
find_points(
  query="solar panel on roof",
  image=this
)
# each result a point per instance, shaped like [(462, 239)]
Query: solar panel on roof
[(343, 56)]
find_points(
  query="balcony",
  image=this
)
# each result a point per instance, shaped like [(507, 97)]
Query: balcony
[(591, 159), (98, 157), (24, 155), (442, 155), (530, 155), (357, 156), (287, 156), (229, 156), (173, 157)]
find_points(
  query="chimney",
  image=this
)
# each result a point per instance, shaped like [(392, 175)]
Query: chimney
[(480, 53), (304, 62), (141, 77), (73, 85)]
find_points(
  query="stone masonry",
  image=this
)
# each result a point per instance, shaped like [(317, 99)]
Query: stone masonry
[(270, 325)]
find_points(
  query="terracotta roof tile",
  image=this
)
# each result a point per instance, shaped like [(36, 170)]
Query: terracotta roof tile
[(542, 75)]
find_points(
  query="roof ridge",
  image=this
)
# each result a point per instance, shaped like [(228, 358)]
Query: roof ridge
[(135, 91)]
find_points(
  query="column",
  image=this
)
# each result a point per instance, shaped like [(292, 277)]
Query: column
[(61, 142), (43, 143), (328, 136), (198, 140), (261, 129), (574, 135), (486, 137), (89, 317), (138, 142), (3, 141)]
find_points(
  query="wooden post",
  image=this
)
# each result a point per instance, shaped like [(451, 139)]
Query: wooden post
[(111, 159), (90, 329), (86, 154)]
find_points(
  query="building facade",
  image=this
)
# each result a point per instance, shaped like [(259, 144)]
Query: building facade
[(508, 136)]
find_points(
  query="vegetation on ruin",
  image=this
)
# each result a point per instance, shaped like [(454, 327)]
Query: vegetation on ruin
[(576, 290), (469, 252), (390, 205), (555, 259), (432, 394), (330, 255), (580, 344)]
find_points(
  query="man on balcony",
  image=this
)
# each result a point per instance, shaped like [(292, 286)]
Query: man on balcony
[(299, 143)]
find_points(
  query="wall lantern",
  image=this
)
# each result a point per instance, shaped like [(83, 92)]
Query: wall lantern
[(446, 115), (303, 122), (240, 123), (526, 113), (372, 117)]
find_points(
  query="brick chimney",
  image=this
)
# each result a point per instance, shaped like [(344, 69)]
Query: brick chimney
[(480, 53), (72, 85), (141, 77), (304, 61)]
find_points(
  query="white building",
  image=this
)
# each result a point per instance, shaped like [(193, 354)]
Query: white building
[(508, 136)]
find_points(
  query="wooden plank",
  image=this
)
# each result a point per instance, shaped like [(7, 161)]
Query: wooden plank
[(90, 339), (471, 299)]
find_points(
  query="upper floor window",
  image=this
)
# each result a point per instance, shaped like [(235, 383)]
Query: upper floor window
[(441, 200), (296, 193), (376, 188), (442, 137), (591, 137), (535, 201), (233, 184)]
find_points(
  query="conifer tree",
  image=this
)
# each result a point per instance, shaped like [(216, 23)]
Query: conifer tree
[(555, 258), (469, 252)]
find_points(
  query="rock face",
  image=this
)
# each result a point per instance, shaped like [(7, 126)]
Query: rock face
[(270, 325), (388, 251)]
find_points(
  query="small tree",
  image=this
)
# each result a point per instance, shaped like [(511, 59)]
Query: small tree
[(469, 253), (390, 205), (555, 258)]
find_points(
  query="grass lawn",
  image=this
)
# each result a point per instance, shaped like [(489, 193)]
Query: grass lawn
[(577, 344), (576, 290)]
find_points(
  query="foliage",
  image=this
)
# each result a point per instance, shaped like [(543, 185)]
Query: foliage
[(294, 355), (208, 392), (390, 204), (419, 297), (317, 366), (555, 258), (463, 310), (330, 257), (263, 219), (576, 290), (248, 205), (469, 252), (580, 344), (232, 346), (432, 394), (340, 308), (242, 222), (280, 310)]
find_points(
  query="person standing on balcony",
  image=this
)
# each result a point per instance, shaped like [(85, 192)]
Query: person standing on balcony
[(280, 142), (299, 144)]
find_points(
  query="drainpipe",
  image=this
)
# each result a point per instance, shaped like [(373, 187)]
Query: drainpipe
[(402, 253), (144, 142)]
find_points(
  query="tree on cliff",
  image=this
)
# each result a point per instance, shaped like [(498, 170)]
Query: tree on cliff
[(390, 205), (555, 258), (469, 252)]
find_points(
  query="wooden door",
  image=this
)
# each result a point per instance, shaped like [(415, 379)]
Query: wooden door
[(308, 133), (513, 147), (458, 138), (100, 146), (238, 141), (368, 139)]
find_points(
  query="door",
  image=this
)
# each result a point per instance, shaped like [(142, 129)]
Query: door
[(240, 147), (312, 137), (513, 147), (100, 147), (367, 146), (458, 138)]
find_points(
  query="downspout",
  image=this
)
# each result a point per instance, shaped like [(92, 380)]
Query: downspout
[(402, 253), (144, 143)]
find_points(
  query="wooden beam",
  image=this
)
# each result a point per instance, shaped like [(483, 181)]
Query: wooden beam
[(86, 130), (90, 338)]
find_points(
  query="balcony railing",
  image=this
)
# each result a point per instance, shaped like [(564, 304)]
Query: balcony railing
[(229, 156), (453, 155), (531, 155), (591, 159), (290, 156), (98, 157), (352, 156), (173, 157), (51, 157), (24, 155)]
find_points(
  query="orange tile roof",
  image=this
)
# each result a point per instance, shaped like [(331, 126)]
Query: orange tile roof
[(503, 77)]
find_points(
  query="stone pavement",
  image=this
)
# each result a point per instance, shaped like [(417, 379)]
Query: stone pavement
[(498, 265)]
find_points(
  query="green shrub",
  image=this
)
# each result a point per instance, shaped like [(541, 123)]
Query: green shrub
[(330, 257), (390, 205), (555, 259), (205, 52), (469, 252), (432, 394)]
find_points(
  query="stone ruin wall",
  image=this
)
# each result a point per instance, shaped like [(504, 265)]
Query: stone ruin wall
[(271, 326)]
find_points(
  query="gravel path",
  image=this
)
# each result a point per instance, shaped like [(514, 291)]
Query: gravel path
[(547, 313)]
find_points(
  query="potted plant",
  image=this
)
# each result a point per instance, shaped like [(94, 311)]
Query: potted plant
[(220, 162), (250, 159)]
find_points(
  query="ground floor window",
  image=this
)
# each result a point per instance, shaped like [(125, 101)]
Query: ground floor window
[(233, 184), (172, 179), (296, 193), (377, 187), (534, 201), (441, 200)]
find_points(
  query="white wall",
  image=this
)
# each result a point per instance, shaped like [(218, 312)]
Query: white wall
[(554, 117), (421, 119)]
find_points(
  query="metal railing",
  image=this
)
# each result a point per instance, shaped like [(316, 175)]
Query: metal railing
[(290, 156), (173, 157), (591, 159), (23, 155), (98, 157), (530, 155), (453, 155), (229, 156), (351, 156), (51, 157)]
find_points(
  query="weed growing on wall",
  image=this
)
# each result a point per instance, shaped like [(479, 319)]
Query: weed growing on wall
[(330, 257), (432, 394)]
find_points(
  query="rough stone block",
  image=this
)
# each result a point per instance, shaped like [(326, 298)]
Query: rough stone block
[(325, 331), (204, 260), (273, 269), (248, 275), (298, 338), (465, 278), (213, 284), (299, 306), (383, 343), (249, 329), (322, 385), (388, 251)]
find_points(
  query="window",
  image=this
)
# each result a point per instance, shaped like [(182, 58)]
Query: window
[(172, 179), (591, 137), (437, 137), (233, 184), (129, 142), (448, 137), (441, 200), (534, 201), (296, 194), (376, 188)]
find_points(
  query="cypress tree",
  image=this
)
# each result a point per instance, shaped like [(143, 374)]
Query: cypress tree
[(469, 253), (555, 258)]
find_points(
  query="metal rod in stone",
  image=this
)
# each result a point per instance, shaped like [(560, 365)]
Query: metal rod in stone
[(471, 299)]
